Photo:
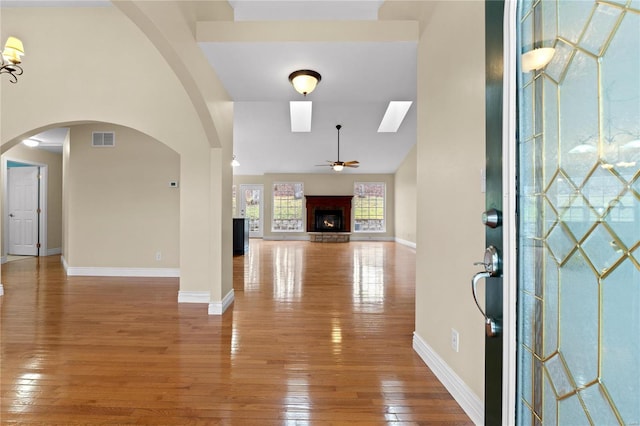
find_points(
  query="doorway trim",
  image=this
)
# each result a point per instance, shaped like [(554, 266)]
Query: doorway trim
[(510, 223), (42, 197)]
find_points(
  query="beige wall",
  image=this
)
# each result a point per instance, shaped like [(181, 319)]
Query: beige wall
[(53, 162), (122, 210), (322, 184), (405, 197), (450, 236)]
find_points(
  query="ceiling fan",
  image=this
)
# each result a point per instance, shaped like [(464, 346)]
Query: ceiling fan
[(339, 165)]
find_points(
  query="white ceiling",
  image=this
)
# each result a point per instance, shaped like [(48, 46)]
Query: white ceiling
[(358, 81)]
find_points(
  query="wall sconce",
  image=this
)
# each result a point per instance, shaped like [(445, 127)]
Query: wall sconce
[(304, 81), (11, 58), (537, 58), (234, 162)]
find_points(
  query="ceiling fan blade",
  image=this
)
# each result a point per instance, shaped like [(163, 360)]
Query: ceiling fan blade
[(351, 163)]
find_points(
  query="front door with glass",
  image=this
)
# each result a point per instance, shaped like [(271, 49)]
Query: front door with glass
[(579, 210)]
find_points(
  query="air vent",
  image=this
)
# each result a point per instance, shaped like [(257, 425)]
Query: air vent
[(104, 139)]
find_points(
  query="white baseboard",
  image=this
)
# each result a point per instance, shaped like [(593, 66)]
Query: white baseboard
[(219, 308), (369, 237), (53, 251), (405, 243), (468, 400), (1, 290), (122, 272), (65, 265), (286, 238), (194, 297), (3, 259)]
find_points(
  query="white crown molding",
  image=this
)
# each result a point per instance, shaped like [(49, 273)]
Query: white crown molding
[(219, 308), (468, 400)]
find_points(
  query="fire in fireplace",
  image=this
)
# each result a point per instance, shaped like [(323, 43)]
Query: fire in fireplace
[(329, 221)]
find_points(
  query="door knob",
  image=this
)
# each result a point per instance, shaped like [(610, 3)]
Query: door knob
[(491, 265), (491, 327)]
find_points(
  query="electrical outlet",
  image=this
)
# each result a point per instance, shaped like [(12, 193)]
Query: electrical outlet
[(158, 256), (455, 340)]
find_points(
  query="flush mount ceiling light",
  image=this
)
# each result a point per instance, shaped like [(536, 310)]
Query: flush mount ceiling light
[(11, 58), (234, 162), (537, 58), (304, 81), (31, 143)]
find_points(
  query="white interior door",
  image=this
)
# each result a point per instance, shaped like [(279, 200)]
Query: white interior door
[(251, 207), (23, 210)]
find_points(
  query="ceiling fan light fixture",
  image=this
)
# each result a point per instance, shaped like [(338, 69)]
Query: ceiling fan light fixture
[(234, 162), (338, 167), (304, 81)]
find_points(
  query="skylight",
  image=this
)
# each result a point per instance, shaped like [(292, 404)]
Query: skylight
[(393, 117), (300, 116)]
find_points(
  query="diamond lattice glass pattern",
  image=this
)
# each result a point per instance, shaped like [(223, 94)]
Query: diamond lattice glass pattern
[(560, 242), (602, 249), (623, 219), (579, 217), (588, 98)]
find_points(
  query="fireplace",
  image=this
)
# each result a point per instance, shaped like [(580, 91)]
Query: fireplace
[(329, 220), (329, 213)]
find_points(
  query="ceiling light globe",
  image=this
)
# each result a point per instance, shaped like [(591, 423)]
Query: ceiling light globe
[(304, 81), (338, 167), (32, 143)]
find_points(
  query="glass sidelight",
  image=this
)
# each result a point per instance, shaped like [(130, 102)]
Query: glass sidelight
[(579, 213)]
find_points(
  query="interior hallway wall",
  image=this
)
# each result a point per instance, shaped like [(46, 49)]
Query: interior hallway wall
[(123, 211), (406, 198), (451, 153), (53, 161)]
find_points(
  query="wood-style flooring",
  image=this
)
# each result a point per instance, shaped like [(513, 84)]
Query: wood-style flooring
[(319, 334)]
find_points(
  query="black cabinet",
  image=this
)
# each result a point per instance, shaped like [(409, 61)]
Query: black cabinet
[(240, 235)]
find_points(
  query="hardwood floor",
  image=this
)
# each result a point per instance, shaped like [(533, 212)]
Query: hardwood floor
[(319, 334)]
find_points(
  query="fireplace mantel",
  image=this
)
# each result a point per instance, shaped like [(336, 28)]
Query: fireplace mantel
[(328, 202)]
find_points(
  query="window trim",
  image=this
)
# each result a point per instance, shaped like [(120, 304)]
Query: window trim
[(273, 208), (384, 208)]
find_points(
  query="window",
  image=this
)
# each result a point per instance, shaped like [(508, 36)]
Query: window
[(369, 207), (287, 207)]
